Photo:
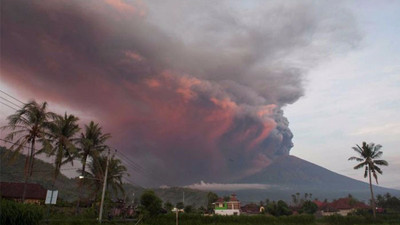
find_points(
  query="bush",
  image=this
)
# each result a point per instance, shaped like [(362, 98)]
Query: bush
[(309, 207), (18, 213)]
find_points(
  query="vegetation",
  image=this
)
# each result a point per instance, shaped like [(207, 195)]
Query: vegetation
[(92, 143), (388, 202), (16, 213), (309, 207), (29, 125), (62, 133), (279, 208), (151, 203), (94, 178), (369, 154)]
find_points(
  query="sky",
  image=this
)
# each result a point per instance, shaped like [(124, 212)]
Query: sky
[(214, 91)]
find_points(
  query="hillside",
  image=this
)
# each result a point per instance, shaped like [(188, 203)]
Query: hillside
[(43, 171), (289, 174), (42, 174)]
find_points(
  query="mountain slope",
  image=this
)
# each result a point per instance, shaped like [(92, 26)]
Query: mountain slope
[(289, 174), (43, 172)]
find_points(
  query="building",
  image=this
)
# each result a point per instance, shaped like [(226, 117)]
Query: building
[(252, 208), (35, 193), (231, 207), (342, 206)]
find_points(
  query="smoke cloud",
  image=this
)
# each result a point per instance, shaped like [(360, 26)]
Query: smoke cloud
[(192, 91)]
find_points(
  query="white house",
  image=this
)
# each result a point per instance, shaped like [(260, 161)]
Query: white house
[(231, 207)]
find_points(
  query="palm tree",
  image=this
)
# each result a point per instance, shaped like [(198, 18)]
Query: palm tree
[(369, 159), (95, 175), (92, 142), (29, 125), (62, 133)]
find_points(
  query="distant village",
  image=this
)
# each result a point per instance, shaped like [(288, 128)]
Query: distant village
[(226, 206)]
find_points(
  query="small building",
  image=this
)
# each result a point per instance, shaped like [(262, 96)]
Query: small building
[(35, 193), (342, 206), (252, 208), (231, 207)]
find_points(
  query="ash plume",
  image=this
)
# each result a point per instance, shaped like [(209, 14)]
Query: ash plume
[(193, 91)]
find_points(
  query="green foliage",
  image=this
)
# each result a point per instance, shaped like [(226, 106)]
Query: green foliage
[(188, 209), (309, 207), (196, 219), (279, 208), (168, 206), (180, 205), (211, 198), (151, 203), (18, 213), (388, 202)]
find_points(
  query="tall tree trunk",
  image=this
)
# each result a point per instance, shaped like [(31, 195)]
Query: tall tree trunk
[(372, 193), (80, 182), (28, 169), (32, 157)]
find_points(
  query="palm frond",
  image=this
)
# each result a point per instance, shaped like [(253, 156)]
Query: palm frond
[(356, 159), (381, 162), (360, 165)]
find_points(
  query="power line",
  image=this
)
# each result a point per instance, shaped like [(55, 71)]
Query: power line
[(8, 105), (12, 97), (10, 102)]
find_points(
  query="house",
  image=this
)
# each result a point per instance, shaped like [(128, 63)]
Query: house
[(342, 206), (231, 207), (35, 193), (252, 208)]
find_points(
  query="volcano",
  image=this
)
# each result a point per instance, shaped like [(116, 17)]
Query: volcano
[(288, 175)]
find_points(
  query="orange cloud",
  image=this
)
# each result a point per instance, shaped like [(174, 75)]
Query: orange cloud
[(122, 6)]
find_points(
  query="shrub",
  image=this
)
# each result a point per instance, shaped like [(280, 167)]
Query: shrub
[(18, 213)]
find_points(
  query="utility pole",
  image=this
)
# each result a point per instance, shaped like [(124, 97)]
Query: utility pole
[(104, 188), (176, 210)]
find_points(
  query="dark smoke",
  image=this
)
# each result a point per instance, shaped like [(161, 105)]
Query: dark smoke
[(191, 91)]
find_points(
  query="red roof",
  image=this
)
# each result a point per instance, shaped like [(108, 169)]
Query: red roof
[(233, 197), (345, 203), (220, 200), (320, 204), (15, 190)]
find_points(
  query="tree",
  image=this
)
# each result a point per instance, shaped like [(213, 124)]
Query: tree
[(309, 207), (95, 175), (168, 206), (151, 203), (92, 143), (369, 154), (180, 205), (279, 208), (62, 133), (188, 209), (29, 125), (211, 198)]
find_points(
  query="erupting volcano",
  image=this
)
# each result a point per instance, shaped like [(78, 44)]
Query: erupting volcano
[(191, 102)]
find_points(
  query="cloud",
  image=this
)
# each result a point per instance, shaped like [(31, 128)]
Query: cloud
[(386, 129), (227, 187), (198, 93)]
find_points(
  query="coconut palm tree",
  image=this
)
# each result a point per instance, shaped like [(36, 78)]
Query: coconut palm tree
[(28, 126), (94, 178), (62, 135), (92, 143), (368, 158)]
